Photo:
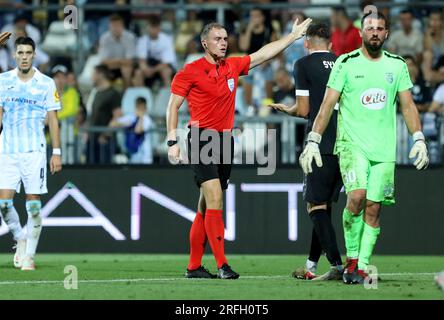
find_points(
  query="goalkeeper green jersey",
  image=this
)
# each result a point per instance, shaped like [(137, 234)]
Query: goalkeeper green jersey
[(367, 107)]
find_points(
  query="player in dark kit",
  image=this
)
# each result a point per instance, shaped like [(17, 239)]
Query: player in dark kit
[(209, 85), (322, 187)]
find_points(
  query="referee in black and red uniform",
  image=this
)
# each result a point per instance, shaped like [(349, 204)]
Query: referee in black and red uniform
[(209, 85)]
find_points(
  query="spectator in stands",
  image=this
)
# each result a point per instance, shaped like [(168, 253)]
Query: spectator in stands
[(117, 49), (71, 82), (103, 106), (9, 10), (258, 84), (421, 91), (70, 98), (4, 59), (284, 92), (41, 59), (98, 20), (433, 72), (188, 29), (434, 36), (345, 36), (137, 136), (438, 100), (156, 56), (407, 41), (362, 5), (21, 22)]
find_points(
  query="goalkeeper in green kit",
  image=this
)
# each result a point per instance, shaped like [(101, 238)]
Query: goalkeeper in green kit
[(367, 83)]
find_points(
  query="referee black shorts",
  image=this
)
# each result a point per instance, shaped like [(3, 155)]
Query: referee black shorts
[(211, 156), (325, 183)]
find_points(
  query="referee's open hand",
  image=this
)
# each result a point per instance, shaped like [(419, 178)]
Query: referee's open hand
[(299, 30), (4, 36), (174, 154)]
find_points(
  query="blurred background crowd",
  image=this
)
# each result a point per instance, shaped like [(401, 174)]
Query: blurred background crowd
[(114, 66)]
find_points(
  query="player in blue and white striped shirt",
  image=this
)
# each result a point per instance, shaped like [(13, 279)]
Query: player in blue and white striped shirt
[(27, 98)]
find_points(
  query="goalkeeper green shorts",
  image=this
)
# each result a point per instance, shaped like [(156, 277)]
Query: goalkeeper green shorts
[(358, 172)]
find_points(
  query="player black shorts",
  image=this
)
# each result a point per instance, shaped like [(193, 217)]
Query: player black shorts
[(210, 157), (325, 183)]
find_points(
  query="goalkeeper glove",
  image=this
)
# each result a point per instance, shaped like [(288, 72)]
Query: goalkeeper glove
[(311, 151), (419, 150)]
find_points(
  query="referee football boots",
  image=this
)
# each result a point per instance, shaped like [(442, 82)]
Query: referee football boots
[(199, 273), (225, 272)]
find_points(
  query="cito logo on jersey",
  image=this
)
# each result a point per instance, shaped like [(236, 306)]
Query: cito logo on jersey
[(374, 99)]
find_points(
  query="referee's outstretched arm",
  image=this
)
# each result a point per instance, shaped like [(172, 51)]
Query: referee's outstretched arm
[(273, 48)]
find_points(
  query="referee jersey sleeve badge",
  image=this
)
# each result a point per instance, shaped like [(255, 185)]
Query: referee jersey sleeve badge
[(230, 83)]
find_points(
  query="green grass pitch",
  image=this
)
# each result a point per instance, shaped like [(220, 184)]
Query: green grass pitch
[(263, 277)]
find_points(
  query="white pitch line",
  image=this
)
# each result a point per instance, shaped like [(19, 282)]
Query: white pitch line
[(185, 279)]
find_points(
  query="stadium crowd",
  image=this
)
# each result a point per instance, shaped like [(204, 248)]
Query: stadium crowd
[(131, 57)]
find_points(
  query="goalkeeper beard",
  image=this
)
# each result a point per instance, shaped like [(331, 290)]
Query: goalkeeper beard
[(374, 49)]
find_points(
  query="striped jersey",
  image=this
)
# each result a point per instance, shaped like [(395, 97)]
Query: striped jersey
[(25, 105)]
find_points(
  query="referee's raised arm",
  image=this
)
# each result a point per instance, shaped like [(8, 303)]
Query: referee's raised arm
[(273, 48)]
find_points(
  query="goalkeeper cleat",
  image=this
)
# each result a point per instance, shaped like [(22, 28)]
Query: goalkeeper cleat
[(225, 272), (20, 252), (350, 271), (361, 276), (303, 274), (332, 274), (199, 273), (28, 264)]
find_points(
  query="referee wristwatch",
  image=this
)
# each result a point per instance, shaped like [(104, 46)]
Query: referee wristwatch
[(171, 143)]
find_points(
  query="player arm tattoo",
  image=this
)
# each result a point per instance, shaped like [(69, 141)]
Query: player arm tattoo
[(330, 99), (172, 115), (409, 111), (54, 131)]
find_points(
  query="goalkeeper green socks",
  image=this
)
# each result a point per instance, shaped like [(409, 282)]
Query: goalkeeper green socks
[(353, 225), (368, 241)]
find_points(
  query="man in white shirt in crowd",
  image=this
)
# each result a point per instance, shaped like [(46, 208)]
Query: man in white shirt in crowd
[(117, 49), (406, 41), (156, 56)]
